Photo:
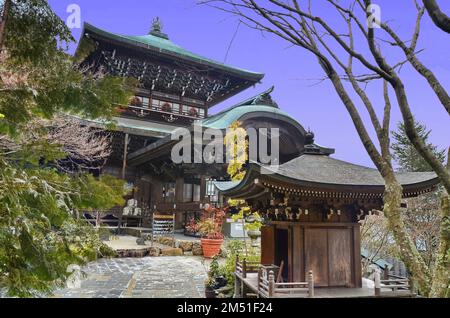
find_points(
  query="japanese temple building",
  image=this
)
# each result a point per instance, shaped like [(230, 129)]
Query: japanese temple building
[(312, 202), (313, 205)]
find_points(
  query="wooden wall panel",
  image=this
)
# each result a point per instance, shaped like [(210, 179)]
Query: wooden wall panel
[(357, 270), (340, 257), (316, 255), (298, 270), (267, 245)]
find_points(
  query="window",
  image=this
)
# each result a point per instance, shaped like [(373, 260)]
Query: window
[(145, 102), (188, 192), (211, 191), (155, 103), (169, 192), (175, 108), (196, 193), (185, 109), (191, 192), (201, 113)]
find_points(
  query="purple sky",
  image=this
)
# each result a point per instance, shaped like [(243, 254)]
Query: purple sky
[(208, 32)]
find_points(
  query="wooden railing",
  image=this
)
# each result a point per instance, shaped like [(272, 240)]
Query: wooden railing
[(244, 267), (269, 284), (269, 288), (393, 282)]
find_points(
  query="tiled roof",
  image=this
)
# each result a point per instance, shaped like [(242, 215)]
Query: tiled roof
[(164, 45), (325, 169)]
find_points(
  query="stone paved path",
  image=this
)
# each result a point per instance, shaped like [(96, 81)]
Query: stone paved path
[(149, 277)]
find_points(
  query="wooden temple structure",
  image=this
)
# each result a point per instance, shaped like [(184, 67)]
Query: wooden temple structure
[(312, 203), (176, 89)]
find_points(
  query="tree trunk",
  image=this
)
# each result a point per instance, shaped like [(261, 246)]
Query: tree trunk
[(408, 251), (4, 18), (392, 198), (441, 20), (441, 277)]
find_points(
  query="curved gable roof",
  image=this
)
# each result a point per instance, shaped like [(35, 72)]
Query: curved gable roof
[(328, 170), (167, 47), (324, 173), (224, 119)]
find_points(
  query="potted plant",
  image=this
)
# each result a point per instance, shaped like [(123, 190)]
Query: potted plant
[(193, 112), (209, 288), (136, 101), (210, 283), (210, 228), (166, 108)]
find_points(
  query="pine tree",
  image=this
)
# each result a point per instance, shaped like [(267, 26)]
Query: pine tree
[(39, 235), (406, 155)]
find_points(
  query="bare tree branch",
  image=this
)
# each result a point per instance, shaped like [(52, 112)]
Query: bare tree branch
[(440, 19)]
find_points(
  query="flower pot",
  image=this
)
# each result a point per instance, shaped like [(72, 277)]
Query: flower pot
[(211, 247), (210, 292)]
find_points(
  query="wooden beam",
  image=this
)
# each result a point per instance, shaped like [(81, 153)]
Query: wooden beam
[(125, 154)]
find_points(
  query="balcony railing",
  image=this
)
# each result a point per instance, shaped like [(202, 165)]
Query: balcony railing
[(144, 111)]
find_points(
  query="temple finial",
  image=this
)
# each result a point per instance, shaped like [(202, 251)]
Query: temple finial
[(157, 27), (309, 137)]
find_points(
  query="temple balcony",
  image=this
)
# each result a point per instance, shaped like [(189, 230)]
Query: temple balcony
[(169, 116)]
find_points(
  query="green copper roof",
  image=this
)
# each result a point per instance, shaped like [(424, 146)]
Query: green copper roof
[(380, 262), (135, 126), (164, 45), (225, 185), (224, 119)]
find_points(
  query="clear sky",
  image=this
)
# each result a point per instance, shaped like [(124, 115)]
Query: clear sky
[(208, 32)]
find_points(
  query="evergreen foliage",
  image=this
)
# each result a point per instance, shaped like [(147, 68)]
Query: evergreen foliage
[(40, 232)]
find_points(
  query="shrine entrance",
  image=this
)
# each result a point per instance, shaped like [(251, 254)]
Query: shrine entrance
[(327, 253), (282, 251)]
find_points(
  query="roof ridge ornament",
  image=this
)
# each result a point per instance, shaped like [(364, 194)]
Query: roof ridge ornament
[(309, 137), (156, 29), (311, 148), (265, 98)]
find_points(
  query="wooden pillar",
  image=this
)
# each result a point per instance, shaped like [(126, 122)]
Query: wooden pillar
[(179, 186), (125, 155), (203, 189), (377, 283), (237, 287), (298, 265), (357, 256), (386, 272), (310, 284), (271, 284)]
